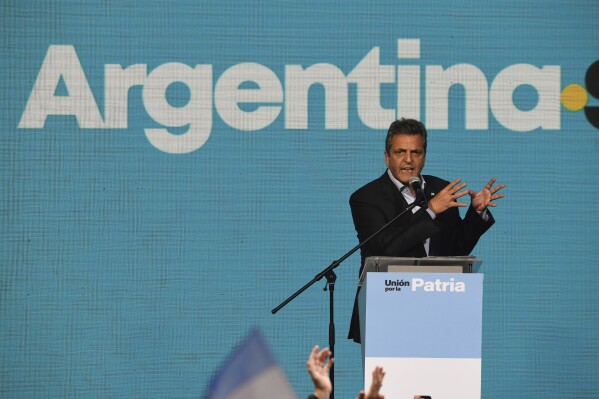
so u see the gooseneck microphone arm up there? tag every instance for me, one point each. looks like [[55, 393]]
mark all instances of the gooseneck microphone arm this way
[[416, 185]]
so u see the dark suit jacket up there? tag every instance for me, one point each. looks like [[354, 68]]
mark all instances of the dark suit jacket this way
[[379, 201]]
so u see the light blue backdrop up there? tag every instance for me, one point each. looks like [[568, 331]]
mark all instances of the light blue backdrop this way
[[127, 271]]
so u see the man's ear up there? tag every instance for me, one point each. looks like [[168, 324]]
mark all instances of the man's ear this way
[[386, 158]]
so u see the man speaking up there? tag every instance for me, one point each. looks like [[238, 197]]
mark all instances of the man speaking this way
[[435, 229]]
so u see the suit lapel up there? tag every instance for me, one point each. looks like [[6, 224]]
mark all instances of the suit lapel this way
[[390, 190], [399, 205]]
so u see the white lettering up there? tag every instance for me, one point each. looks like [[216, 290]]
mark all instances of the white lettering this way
[[369, 74], [196, 114], [61, 62], [118, 81], [408, 91], [250, 96], [417, 283], [228, 96], [438, 83], [297, 84], [545, 80], [438, 285]]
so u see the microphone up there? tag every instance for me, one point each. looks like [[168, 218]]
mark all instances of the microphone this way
[[417, 187]]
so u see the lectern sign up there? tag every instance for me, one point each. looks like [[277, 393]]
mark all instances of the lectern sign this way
[[425, 329]]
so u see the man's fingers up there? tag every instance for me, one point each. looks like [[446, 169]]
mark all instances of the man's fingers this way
[[455, 185], [460, 194], [490, 183], [452, 185], [459, 187], [323, 355], [499, 187], [329, 364], [313, 356]]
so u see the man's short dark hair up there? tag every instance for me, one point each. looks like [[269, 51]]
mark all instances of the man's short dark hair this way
[[405, 126]]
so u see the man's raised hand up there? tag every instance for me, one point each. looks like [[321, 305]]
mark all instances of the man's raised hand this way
[[446, 198], [485, 197]]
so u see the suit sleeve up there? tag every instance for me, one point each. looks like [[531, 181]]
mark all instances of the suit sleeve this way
[[457, 237], [401, 237]]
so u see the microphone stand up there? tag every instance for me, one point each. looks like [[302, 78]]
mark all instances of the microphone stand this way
[[331, 277]]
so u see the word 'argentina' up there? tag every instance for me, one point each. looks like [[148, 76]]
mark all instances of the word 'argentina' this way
[[438, 285]]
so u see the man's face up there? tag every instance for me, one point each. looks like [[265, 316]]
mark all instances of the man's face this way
[[406, 157]]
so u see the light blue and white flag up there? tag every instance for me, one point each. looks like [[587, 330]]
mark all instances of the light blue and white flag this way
[[251, 372]]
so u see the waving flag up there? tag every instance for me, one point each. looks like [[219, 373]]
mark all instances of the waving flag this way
[[250, 372]]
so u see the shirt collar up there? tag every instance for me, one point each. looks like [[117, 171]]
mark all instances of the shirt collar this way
[[400, 186]]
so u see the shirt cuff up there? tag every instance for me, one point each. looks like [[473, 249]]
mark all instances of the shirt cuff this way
[[484, 214], [433, 215]]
